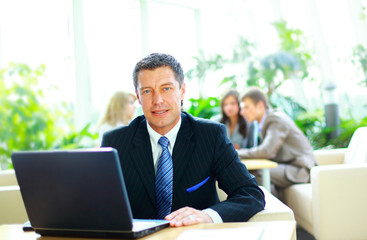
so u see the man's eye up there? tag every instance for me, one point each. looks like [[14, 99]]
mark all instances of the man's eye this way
[[146, 91], [166, 88]]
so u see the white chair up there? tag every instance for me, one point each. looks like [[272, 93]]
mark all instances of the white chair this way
[[12, 209], [333, 206], [274, 210]]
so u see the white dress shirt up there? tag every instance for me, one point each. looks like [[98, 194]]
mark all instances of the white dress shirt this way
[[157, 150]]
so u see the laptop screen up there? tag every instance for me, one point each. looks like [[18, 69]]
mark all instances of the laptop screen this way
[[73, 189]]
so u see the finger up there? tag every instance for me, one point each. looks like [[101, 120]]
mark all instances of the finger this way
[[184, 214], [178, 216], [188, 217], [185, 221], [177, 213], [191, 219], [198, 217]]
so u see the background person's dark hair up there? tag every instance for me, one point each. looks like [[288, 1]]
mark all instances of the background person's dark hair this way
[[241, 121], [156, 60], [256, 95]]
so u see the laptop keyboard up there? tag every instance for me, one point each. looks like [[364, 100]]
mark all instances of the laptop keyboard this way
[[142, 225]]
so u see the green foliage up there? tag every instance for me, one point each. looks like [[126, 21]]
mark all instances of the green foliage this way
[[75, 139], [314, 127], [360, 59], [203, 64], [241, 53], [293, 41], [204, 107], [26, 121], [270, 72], [230, 81], [363, 14], [287, 104]]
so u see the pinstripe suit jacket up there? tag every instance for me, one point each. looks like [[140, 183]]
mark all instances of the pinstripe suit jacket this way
[[201, 150]]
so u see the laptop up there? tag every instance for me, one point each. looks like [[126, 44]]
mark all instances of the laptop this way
[[78, 193]]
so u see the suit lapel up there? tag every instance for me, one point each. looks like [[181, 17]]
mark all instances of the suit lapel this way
[[183, 149], [141, 153]]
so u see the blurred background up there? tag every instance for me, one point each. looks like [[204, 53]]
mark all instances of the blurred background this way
[[61, 61]]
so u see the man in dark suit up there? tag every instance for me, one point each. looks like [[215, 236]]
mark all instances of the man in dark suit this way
[[198, 149]]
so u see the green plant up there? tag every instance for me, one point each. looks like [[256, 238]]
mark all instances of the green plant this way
[[203, 65], [359, 55], [241, 53], [360, 59], [292, 40], [363, 14], [314, 127], [204, 107], [270, 72], [27, 122], [77, 139], [287, 104]]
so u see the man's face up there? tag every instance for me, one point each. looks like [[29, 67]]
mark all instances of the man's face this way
[[160, 96], [251, 111]]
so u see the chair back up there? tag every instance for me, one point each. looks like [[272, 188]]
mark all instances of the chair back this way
[[8, 178], [357, 148]]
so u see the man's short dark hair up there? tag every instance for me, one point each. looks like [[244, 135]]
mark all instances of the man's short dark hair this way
[[157, 60], [256, 95]]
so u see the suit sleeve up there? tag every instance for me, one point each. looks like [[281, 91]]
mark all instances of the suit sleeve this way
[[276, 134], [245, 198]]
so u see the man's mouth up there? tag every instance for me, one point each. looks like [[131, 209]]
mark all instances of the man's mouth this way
[[160, 112]]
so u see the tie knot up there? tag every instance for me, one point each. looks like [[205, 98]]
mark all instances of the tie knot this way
[[163, 141]]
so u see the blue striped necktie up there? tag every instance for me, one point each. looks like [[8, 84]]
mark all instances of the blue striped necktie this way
[[164, 181]]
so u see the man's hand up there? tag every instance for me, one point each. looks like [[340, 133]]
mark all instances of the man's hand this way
[[236, 146], [187, 216]]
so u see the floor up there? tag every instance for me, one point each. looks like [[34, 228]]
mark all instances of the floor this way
[[303, 234]]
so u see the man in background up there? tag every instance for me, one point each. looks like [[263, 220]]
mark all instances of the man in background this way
[[280, 140]]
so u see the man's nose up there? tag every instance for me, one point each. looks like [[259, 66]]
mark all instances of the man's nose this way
[[157, 98]]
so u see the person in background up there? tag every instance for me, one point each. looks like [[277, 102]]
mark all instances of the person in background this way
[[171, 160], [120, 111], [238, 131], [280, 140]]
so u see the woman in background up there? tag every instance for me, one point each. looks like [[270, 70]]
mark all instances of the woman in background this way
[[237, 128], [120, 111]]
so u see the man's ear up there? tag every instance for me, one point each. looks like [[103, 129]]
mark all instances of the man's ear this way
[[183, 91], [137, 96], [261, 106]]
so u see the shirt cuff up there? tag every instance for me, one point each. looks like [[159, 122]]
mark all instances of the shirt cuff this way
[[214, 215], [243, 152]]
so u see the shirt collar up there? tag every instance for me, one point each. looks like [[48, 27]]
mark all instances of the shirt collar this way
[[171, 135], [261, 123]]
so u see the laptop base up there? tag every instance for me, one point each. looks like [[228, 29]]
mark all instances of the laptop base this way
[[99, 233]]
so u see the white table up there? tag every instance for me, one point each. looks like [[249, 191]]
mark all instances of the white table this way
[[270, 230]]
